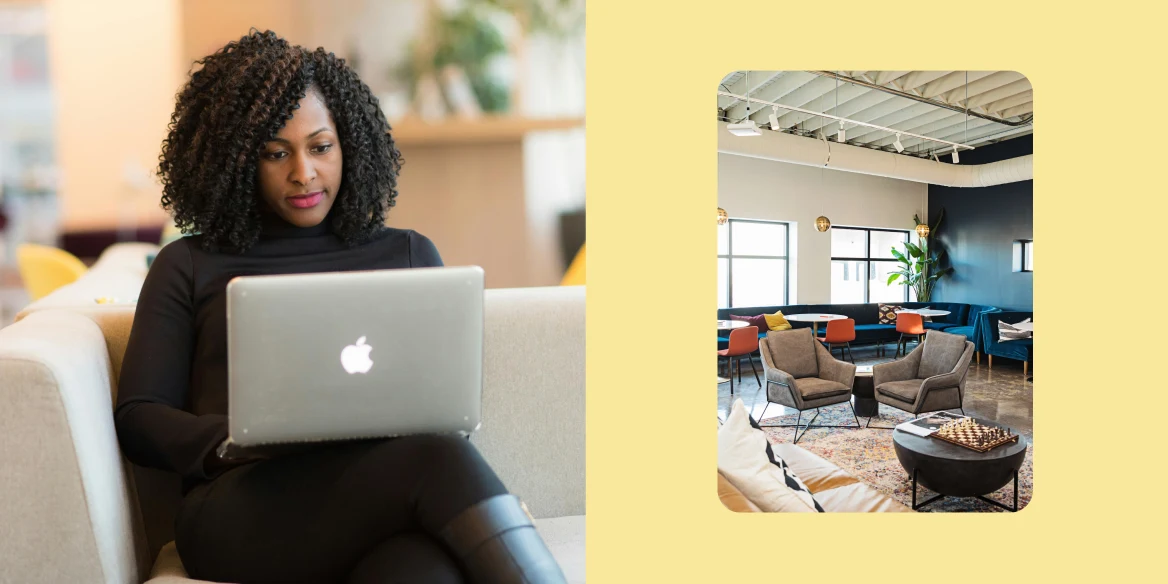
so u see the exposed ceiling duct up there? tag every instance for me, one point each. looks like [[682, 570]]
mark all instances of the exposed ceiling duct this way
[[782, 147]]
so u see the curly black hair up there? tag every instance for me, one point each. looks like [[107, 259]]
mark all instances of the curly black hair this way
[[236, 102]]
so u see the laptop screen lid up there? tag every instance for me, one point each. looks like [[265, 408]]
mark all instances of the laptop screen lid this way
[[347, 355]]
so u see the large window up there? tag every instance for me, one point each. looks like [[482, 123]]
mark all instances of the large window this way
[[861, 261], [752, 263]]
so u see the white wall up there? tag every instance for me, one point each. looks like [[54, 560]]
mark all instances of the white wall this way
[[751, 188], [115, 68]]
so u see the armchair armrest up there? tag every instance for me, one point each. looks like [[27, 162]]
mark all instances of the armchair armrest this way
[[533, 396], [899, 370], [833, 369], [66, 491]]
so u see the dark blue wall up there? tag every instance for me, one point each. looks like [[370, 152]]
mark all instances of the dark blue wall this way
[[979, 230]]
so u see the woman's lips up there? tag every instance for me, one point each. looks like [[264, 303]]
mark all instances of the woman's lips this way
[[306, 201]]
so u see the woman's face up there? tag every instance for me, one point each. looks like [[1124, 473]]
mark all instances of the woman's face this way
[[300, 170]]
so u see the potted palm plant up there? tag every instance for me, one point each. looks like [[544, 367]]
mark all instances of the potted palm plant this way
[[920, 266]]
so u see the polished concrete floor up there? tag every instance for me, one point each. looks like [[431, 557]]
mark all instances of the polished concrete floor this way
[[1001, 394]]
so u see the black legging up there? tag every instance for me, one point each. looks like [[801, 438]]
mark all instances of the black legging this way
[[355, 512]]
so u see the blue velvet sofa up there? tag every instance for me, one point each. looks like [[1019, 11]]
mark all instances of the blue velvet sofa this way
[[1020, 349], [962, 319]]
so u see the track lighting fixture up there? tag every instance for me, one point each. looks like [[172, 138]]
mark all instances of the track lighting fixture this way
[[774, 118], [746, 128], [840, 136], [899, 147], [956, 159]]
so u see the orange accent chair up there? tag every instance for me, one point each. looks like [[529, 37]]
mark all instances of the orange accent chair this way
[[840, 333], [743, 342], [908, 324]]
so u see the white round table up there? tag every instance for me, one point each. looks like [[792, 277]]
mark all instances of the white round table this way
[[814, 319], [924, 311], [729, 325]]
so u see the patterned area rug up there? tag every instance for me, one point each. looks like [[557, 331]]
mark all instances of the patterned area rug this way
[[868, 455]]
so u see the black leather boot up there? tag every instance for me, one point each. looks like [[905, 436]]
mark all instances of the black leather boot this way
[[497, 544]]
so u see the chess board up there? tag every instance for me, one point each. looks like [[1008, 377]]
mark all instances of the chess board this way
[[974, 436]]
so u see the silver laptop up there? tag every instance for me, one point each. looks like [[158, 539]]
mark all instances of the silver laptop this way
[[350, 355]]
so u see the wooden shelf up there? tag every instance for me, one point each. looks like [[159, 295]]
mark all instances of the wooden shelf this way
[[411, 132]]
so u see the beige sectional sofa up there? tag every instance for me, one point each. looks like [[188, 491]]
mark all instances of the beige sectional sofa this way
[[72, 509]]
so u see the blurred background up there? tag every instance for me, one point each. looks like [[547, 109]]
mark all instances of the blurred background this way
[[486, 100]]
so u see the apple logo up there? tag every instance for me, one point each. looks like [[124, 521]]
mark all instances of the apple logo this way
[[355, 358]]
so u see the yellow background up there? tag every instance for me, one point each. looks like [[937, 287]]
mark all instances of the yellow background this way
[[1100, 397]]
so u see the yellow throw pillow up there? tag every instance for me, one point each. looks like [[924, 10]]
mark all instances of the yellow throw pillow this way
[[777, 322]]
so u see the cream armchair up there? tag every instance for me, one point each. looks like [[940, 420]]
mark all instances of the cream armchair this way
[[928, 379], [74, 510], [802, 374]]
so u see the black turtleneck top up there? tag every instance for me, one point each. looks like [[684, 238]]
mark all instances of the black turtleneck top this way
[[172, 393]]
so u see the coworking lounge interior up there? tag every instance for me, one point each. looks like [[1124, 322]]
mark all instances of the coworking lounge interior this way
[[486, 103], [875, 291]]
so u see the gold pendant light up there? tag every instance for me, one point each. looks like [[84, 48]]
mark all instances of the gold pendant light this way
[[722, 216], [923, 230], [822, 223]]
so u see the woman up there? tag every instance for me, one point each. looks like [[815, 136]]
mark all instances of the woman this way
[[280, 159]]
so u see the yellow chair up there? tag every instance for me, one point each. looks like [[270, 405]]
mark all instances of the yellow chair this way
[[575, 274], [45, 268]]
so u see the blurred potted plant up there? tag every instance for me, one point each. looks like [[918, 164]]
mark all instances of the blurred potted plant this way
[[453, 58], [456, 52], [919, 266]]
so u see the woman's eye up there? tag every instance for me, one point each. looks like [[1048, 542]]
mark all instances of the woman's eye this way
[[275, 155], [322, 148]]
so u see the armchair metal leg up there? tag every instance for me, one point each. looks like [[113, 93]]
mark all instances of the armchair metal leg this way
[[810, 424], [869, 424]]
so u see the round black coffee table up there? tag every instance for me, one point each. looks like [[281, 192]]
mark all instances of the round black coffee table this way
[[953, 471]]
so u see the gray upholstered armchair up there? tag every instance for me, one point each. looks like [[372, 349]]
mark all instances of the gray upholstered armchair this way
[[929, 379], [801, 374]]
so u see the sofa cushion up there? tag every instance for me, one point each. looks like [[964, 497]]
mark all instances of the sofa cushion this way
[[906, 390], [757, 320], [815, 388], [733, 499], [776, 322], [876, 327], [794, 352], [888, 313], [859, 498], [1009, 332], [743, 459], [939, 326], [967, 331], [941, 353], [817, 473]]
